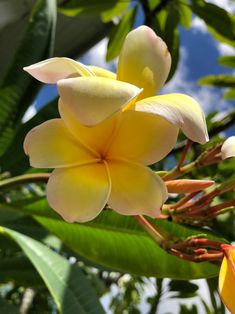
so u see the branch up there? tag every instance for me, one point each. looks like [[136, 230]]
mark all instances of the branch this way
[[150, 14], [26, 178]]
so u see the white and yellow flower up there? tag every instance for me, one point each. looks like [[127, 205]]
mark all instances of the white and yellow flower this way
[[111, 128]]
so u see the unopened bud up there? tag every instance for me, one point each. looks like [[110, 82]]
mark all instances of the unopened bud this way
[[185, 186]]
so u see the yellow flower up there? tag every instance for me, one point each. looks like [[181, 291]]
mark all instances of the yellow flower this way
[[228, 148], [227, 277], [99, 148], [144, 65]]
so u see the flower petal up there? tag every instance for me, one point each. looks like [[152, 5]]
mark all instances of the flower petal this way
[[102, 72], [55, 69], [50, 145], [143, 137], [136, 190], [79, 193], [96, 137], [93, 99], [144, 61], [228, 148], [181, 110], [227, 279]]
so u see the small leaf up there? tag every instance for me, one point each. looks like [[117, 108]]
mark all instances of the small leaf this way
[[218, 80], [215, 17], [116, 11], [184, 309], [75, 7], [228, 61], [166, 26], [185, 13], [230, 94], [68, 285], [119, 32], [182, 286]]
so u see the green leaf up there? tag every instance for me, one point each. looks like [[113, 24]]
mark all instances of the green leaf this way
[[119, 32], [75, 7], [218, 80], [68, 285], [182, 286], [119, 243], [230, 94], [14, 159], [116, 11], [185, 13], [19, 270], [228, 61], [215, 17], [184, 309], [18, 89], [7, 307], [166, 26]]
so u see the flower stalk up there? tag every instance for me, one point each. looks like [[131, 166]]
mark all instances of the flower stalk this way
[[150, 229]]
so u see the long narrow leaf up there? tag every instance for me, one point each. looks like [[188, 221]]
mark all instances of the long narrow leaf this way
[[69, 287], [17, 90]]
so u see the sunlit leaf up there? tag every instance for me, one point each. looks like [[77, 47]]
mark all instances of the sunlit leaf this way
[[116, 11], [75, 7], [230, 94], [185, 13], [119, 32], [218, 80], [228, 61], [68, 285]]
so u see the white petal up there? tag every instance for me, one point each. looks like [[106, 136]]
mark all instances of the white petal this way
[[144, 61], [55, 69], [93, 99], [228, 148], [181, 110]]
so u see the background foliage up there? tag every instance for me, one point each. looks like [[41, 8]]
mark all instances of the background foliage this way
[[49, 266]]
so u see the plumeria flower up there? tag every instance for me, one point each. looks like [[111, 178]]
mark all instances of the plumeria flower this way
[[111, 128], [144, 63], [228, 148], [227, 277]]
